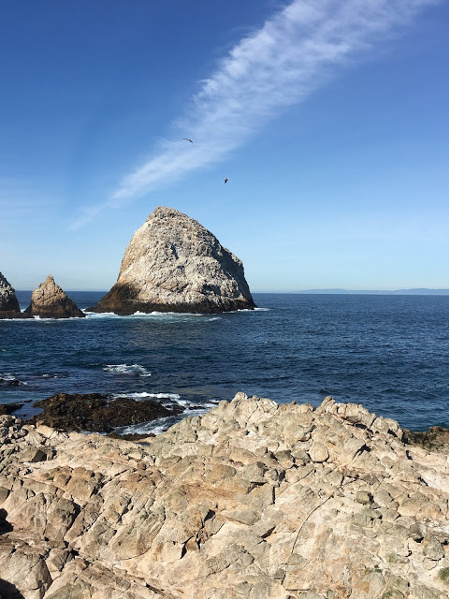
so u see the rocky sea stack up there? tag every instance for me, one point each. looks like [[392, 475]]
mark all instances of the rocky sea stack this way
[[51, 301], [9, 305], [174, 264]]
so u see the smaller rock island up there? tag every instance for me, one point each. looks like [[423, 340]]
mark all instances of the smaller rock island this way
[[174, 264], [51, 301]]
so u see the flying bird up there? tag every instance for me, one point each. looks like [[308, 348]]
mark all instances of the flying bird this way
[[188, 140], [225, 180]]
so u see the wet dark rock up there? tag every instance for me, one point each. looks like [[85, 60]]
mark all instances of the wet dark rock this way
[[8, 409], [436, 438], [9, 381], [97, 412], [131, 437]]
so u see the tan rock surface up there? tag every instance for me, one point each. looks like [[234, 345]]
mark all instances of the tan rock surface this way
[[51, 301], [173, 263], [251, 500]]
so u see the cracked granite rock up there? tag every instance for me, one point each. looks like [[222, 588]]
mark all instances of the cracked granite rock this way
[[251, 500]]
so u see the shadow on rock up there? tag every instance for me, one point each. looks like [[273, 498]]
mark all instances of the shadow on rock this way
[[8, 590], [5, 527]]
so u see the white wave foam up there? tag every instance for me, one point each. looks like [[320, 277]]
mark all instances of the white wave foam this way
[[51, 319], [188, 404], [160, 425], [94, 315], [20, 319], [10, 379], [169, 316], [124, 369], [143, 395], [155, 427], [139, 314], [184, 403], [154, 316]]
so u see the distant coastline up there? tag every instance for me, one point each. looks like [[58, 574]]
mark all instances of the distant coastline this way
[[404, 292]]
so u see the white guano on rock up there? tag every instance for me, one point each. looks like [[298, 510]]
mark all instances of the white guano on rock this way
[[174, 264]]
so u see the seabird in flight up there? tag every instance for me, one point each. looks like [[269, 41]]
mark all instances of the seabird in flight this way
[[188, 140], [225, 180]]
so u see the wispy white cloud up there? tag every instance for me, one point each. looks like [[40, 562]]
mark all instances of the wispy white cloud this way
[[88, 214], [294, 53]]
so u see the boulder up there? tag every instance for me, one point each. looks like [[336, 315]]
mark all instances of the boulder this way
[[9, 305], [174, 264], [51, 301]]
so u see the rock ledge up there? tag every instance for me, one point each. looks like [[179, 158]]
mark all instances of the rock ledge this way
[[251, 500]]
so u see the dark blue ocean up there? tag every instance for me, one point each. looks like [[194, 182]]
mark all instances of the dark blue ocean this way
[[389, 353]]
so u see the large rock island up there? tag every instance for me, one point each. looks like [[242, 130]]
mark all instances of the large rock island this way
[[173, 263], [251, 500]]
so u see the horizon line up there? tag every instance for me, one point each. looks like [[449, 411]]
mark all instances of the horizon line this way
[[412, 291]]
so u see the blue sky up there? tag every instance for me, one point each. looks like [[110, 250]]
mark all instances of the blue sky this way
[[330, 119]]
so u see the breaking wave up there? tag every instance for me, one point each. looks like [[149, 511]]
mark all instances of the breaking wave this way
[[124, 369], [163, 424], [8, 379], [164, 398]]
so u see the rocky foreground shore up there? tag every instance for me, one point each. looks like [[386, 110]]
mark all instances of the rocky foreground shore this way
[[251, 500]]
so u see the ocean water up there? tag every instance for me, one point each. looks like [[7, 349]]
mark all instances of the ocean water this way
[[389, 353]]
